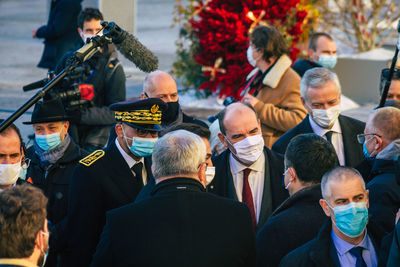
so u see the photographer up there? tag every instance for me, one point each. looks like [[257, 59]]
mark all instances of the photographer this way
[[105, 85]]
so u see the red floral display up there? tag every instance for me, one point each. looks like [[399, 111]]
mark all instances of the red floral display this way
[[221, 28]]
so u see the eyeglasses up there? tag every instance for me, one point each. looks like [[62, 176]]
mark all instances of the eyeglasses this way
[[143, 133], [204, 162], [361, 137]]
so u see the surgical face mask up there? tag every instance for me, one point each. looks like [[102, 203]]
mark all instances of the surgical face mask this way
[[210, 173], [9, 173], [367, 155], [48, 141], [141, 147], [250, 58], [249, 149], [42, 261], [327, 61], [325, 118], [352, 218]]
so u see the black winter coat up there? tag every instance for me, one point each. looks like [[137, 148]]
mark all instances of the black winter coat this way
[[181, 225], [61, 32], [321, 252], [55, 185], [291, 225], [384, 194], [101, 182]]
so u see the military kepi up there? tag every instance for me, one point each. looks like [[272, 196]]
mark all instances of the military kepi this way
[[140, 114]]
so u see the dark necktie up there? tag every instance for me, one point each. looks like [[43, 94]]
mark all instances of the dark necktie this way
[[247, 197], [357, 252], [329, 136], [137, 172]]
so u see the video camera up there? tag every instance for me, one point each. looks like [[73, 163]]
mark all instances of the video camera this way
[[72, 90]]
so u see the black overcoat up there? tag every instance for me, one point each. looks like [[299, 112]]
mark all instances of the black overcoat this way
[[180, 225], [291, 225]]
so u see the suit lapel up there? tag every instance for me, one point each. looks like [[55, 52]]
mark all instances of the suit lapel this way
[[305, 126], [350, 144], [231, 186], [122, 175]]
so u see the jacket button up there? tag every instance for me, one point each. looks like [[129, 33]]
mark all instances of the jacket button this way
[[59, 195]]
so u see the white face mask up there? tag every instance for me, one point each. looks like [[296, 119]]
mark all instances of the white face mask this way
[[249, 149], [325, 118], [210, 173], [9, 173], [85, 36], [250, 58]]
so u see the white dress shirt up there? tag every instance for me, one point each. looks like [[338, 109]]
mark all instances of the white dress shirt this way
[[130, 161], [337, 137], [256, 180]]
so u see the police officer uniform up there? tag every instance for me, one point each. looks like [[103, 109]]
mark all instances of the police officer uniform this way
[[104, 180]]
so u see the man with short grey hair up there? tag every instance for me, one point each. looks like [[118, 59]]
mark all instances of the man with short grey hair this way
[[320, 95], [348, 238], [181, 224]]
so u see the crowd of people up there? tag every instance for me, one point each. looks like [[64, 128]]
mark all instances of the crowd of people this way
[[281, 178]]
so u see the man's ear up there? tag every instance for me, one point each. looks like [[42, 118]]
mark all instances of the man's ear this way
[[118, 130], [66, 126], [325, 207], [367, 195], [201, 173], [80, 31], [311, 55], [222, 139]]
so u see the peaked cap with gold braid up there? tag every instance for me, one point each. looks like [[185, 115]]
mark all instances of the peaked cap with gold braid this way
[[141, 114]]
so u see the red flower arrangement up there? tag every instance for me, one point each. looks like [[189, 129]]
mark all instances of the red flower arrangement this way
[[220, 29]]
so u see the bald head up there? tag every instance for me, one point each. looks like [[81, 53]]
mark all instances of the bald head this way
[[385, 122], [234, 114], [159, 84], [337, 176]]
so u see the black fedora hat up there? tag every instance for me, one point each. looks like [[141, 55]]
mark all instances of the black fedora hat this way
[[48, 111]]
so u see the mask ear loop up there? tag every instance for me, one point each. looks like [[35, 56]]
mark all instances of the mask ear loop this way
[[125, 137]]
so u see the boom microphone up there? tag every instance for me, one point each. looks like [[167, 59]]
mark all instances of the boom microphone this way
[[130, 47]]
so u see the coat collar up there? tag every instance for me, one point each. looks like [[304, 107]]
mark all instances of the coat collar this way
[[275, 74], [310, 193], [178, 184]]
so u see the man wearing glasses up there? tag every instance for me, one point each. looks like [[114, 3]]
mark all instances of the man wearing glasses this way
[[381, 146], [111, 178], [394, 89]]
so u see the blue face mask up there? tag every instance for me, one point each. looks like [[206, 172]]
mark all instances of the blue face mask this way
[[352, 218], [142, 147], [48, 141], [327, 61]]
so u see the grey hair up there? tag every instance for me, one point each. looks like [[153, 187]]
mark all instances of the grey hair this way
[[338, 174], [178, 153], [316, 78], [147, 86]]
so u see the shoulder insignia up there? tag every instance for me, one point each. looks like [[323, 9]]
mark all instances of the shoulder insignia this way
[[111, 65], [89, 160]]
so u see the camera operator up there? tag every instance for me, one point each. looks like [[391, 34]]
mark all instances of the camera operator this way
[[90, 126]]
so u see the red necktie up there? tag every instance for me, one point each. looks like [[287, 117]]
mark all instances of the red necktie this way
[[247, 197]]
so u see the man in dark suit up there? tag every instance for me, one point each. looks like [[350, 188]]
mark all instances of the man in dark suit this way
[[320, 94], [381, 141], [248, 171], [111, 178], [307, 158], [348, 238], [181, 225]]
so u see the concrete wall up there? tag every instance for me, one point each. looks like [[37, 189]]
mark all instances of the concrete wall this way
[[360, 78], [122, 12]]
